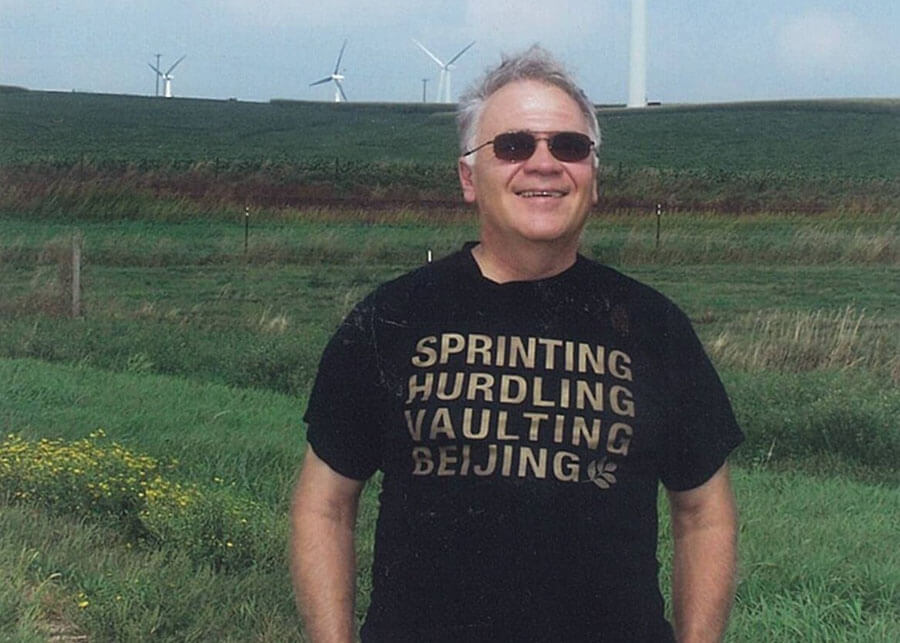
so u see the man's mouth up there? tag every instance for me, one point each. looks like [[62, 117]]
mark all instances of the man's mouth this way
[[553, 194]]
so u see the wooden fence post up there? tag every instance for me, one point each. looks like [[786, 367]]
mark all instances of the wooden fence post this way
[[658, 222], [246, 229]]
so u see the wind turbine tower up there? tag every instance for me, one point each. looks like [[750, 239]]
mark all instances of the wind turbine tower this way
[[166, 76], [637, 78], [157, 75], [336, 78], [443, 90]]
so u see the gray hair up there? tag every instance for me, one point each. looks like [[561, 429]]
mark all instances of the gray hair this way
[[535, 63]]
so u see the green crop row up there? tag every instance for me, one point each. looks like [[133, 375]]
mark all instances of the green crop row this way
[[809, 138]]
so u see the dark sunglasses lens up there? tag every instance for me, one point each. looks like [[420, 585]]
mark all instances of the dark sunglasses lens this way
[[514, 146], [570, 146]]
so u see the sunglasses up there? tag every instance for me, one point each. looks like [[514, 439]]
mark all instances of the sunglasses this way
[[569, 147]]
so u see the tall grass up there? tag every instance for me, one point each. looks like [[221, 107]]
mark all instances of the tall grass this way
[[187, 299], [89, 583], [177, 191], [810, 340]]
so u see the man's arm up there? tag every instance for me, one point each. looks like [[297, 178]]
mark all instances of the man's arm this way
[[704, 528], [323, 561]]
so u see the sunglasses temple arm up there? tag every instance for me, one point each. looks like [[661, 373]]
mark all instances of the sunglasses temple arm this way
[[475, 149]]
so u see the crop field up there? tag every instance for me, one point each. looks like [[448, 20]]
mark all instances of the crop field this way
[[82, 155], [148, 446]]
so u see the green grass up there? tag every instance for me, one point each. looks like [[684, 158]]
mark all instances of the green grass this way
[[95, 582], [816, 563], [185, 300], [193, 349], [230, 433]]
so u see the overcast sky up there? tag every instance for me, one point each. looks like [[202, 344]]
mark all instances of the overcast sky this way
[[699, 51]]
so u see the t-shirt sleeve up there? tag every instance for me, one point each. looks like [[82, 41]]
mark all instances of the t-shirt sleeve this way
[[342, 415], [703, 429]]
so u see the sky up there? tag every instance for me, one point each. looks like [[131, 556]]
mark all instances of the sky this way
[[699, 51]]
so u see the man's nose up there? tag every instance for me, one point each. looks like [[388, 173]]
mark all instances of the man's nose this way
[[542, 159]]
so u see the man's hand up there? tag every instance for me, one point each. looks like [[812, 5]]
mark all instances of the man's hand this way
[[323, 562], [704, 527]]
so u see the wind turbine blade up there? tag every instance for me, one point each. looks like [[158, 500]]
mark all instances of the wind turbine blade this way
[[340, 55], [155, 69], [319, 82], [464, 50], [175, 64], [340, 89], [430, 55]]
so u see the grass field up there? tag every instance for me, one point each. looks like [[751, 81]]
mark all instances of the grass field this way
[[148, 447], [191, 348]]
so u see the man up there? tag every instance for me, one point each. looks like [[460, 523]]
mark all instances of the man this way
[[523, 403]]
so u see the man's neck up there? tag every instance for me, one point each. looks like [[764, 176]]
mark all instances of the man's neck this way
[[530, 263]]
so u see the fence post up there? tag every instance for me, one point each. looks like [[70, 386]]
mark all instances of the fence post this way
[[658, 222], [77, 242], [246, 227]]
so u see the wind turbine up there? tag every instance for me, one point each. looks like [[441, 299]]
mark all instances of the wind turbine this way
[[167, 76], [443, 91], [336, 78], [637, 77], [157, 76]]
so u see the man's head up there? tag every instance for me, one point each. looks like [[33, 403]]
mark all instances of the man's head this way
[[535, 187], [534, 64]]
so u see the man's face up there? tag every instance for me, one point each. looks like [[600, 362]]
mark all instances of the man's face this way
[[538, 200]]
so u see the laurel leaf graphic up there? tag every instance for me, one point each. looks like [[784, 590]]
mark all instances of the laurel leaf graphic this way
[[600, 473]]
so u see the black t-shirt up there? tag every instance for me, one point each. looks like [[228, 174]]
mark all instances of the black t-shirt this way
[[523, 429]]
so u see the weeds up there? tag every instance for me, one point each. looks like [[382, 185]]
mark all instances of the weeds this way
[[388, 190], [102, 479]]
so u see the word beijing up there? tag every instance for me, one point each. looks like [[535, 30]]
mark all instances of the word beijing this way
[[541, 397]]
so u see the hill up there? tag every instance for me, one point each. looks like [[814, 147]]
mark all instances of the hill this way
[[799, 155], [847, 138]]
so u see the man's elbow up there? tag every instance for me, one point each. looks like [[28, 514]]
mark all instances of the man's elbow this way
[[322, 496], [711, 506]]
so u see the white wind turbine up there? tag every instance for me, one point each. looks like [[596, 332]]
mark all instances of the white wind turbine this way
[[167, 76], [443, 91], [335, 78], [637, 77]]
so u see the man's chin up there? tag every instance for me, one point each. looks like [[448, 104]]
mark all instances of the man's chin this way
[[550, 236]]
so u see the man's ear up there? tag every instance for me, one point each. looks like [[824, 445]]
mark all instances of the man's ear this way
[[466, 181]]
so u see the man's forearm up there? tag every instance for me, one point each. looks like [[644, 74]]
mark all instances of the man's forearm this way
[[323, 560], [703, 583], [324, 576], [704, 528]]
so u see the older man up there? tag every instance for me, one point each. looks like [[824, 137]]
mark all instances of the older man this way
[[523, 403]]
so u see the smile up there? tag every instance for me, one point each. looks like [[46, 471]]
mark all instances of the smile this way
[[556, 194]]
